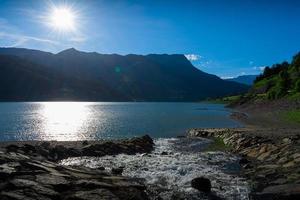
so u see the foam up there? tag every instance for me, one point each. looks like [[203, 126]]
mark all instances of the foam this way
[[174, 171]]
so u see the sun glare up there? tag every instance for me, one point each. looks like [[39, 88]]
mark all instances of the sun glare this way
[[62, 19]]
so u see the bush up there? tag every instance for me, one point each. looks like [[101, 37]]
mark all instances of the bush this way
[[284, 81], [297, 86], [276, 93]]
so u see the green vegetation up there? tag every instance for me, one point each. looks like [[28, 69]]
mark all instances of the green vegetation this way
[[276, 82], [280, 80], [224, 100], [291, 116], [218, 145]]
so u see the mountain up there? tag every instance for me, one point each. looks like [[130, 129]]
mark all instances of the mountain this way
[[22, 80], [244, 79], [76, 75]]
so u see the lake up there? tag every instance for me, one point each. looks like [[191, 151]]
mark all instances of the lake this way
[[106, 120]]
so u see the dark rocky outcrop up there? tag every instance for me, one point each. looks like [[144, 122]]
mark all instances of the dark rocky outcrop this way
[[57, 151], [29, 172]]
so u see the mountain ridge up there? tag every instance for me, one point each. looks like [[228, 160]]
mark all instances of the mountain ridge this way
[[131, 77], [244, 79]]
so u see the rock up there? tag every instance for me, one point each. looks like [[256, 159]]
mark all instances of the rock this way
[[296, 155], [164, 153], [12, 148], [14, 195], [282, 192], [101, 168], [243, 161], [279, 181], [49, 179], [85, 142], [7, 170], [117, 171], [282, 160], [297, 160], [46, 145], [28, 148], [202, 184], [287, 141], [264, 156], [26, 174], [102, 194], [289, 164]]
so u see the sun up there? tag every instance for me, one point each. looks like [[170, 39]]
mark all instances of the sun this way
[[62, 19]]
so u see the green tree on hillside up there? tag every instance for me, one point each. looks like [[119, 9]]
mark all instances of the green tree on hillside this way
[[297, 85], [284, 81], [296, 61]]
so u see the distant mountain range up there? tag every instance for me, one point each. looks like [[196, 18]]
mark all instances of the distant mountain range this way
[[245, 79], [32, 75]]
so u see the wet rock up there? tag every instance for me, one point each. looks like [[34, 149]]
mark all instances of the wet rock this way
[[282, 192], [264, 155], [117, 171], [289, 164], [164, 153], [102, 194], [202, 184], [7, 170], [14, 195], [296, 155], [282, 160], [45, 145], [28, 178], [101, 168], [12, 148], [243, 161], [49, 179], [28, 148], [273, 160]]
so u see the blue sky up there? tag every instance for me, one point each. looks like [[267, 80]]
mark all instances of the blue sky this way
[[227, 38]]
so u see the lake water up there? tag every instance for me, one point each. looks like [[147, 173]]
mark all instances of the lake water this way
[[88, 121]]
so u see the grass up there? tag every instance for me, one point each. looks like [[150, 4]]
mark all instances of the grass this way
[[224, 100], [294, 96], [291, 116], [218, 145]]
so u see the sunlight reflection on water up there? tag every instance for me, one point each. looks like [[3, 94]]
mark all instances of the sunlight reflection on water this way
[[64, 120], [106, 120]]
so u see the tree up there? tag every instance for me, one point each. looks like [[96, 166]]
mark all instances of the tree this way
[[297, 86], [284, 81], [296, 61]]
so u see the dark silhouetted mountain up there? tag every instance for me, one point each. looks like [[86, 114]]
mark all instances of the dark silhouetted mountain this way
[[76, 75], [22, 80], [245, 79]]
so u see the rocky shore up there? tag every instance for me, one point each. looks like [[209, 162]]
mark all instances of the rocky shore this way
[[30, 171], [271, 162]]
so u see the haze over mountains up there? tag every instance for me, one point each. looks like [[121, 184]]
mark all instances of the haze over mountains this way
[[32, 75], [244, 79]]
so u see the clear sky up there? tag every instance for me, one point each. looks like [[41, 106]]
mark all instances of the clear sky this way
[[222, 37]]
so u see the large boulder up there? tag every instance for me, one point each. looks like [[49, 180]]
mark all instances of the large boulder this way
[[202, 184]]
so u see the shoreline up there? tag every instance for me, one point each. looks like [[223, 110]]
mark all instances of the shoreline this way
[[270, 161], [31, 171]]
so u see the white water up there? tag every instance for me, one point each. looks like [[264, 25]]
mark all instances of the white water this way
[[174, 172]]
